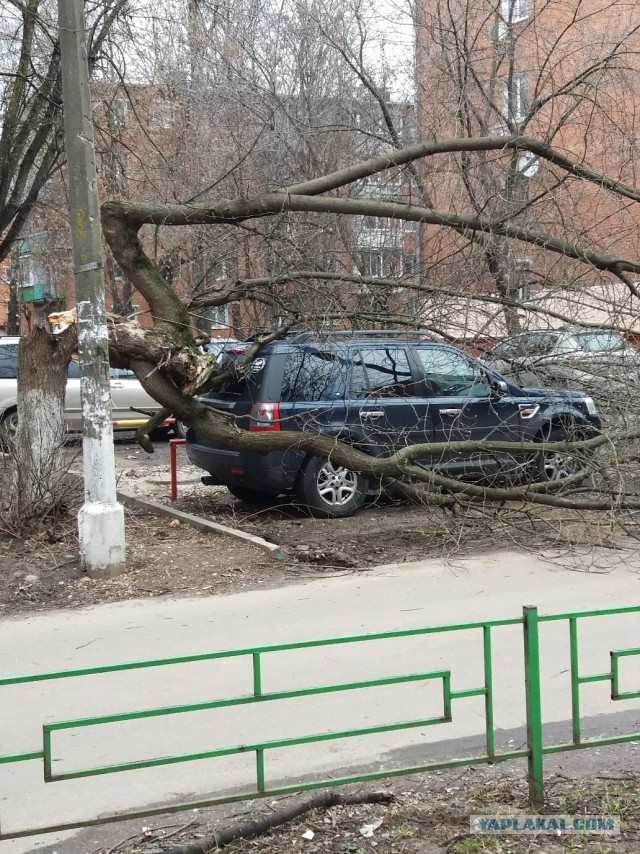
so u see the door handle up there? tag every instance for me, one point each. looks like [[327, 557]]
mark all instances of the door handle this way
[[450, 411], [115, 384], [371, 413]]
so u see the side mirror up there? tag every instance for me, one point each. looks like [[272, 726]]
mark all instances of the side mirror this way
[[499, 388]]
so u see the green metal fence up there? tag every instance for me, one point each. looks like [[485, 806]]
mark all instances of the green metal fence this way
[[535, 750]]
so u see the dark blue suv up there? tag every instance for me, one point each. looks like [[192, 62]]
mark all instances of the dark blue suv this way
[[381, 391]]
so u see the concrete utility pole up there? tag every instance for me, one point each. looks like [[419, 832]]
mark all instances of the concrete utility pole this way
[[101, 518]]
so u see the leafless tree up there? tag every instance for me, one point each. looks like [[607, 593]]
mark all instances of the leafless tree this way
[[563, 75], [172, 371], [239, 109], [30, 104]]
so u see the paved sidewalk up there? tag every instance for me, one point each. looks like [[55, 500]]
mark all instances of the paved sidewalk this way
[[429, 592]]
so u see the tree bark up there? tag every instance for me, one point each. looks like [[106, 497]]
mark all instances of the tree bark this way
[[40, 465], [13, 308], [251, 828]]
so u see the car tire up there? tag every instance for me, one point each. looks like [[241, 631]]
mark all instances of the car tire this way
[[329, 490], [8, 428], [552, 466], [252, 497]]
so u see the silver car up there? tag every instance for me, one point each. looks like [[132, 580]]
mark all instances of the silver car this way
[[127, 395], [598, 361]]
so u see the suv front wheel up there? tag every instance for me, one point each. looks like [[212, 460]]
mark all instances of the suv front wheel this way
[[554, 465], [330, 490]]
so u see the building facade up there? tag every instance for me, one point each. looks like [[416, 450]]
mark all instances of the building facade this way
[[564, 73]]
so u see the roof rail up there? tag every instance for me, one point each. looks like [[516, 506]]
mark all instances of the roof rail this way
[[365, 333]]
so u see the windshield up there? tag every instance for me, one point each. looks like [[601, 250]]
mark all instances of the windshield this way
[[598, 341]]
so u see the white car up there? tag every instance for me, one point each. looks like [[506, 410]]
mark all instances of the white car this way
[[127, 395]]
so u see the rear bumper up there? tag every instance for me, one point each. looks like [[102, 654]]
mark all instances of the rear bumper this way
[[274, 472]]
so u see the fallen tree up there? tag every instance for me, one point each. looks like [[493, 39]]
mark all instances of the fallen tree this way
[[173, 370]]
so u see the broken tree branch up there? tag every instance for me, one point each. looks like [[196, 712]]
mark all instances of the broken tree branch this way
[[256, 827]]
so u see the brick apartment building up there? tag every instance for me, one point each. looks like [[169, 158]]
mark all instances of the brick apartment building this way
[[564, 72], [153, 144]]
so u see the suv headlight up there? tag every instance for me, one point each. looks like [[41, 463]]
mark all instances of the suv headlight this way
[[591, 407]]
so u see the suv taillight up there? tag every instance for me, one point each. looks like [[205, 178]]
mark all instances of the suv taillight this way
[[264, 417]]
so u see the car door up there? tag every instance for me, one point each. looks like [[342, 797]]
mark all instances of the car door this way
[[464, 407], [72, 400], [386, 409], [128, 398], [127, 395]]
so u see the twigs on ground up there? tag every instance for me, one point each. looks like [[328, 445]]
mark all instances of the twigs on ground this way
[[256, 827]]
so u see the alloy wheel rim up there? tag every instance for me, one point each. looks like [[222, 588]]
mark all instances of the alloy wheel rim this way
[[558, 466], [336, 485]]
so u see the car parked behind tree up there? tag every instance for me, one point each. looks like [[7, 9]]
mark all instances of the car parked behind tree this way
[[127, 395], [597, 361]]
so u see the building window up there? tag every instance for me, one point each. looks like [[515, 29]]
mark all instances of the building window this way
[[512, 11], [326, 262], [381, 186], [515, 97], [117, 114], [381, 263], [378, 232], [218, 270], [367, 123], [410, 263], [163, 114], [523, 278], [219, 315], [115, 168], [373, 222]]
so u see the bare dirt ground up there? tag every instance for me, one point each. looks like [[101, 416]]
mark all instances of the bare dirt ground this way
[[169, 558], [429, 814]]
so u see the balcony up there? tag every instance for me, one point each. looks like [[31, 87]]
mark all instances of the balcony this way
[[37, 293]]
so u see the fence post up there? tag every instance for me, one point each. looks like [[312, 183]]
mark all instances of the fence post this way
[[534, 708]]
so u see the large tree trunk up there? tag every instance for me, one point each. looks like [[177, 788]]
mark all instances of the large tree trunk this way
[[39, 459], [13, 308]]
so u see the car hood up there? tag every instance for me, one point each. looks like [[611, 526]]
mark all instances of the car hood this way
[[555, 394]]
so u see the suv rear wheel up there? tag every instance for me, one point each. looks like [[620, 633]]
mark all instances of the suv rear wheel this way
[[330, 490]]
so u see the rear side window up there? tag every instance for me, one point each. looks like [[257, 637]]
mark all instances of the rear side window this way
[[8, 361], [309, 375], [245, 385], [543, 345], [507, 349], [382, 372]]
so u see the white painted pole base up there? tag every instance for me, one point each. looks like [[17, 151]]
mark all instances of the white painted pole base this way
[[102, 544]]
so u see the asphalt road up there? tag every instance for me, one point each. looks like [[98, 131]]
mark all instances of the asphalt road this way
[[431, 592]]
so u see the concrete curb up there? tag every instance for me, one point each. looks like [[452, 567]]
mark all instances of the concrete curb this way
[[130, 500]]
